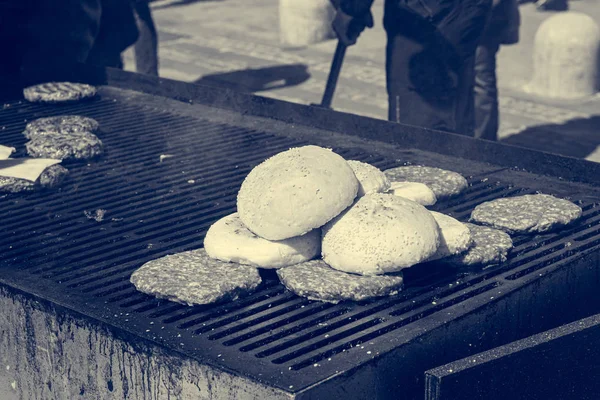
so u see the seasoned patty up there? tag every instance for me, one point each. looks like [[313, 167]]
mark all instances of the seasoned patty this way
[[532, 213], [192, 277], [443, 183], [318, 281], [58, 92], [490, 246], [64, 124], [52, 177], [79, 146]]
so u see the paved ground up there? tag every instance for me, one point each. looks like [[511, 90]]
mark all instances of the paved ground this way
[[236, 43]]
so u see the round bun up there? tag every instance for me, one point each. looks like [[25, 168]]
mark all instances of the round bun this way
[[415, 191], [228, 239], [455, 236], [295, 192], [380, 233], [370, 179]]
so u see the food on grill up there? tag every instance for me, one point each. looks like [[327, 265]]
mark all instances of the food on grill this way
[[370, 179], [58, 92], [318, 281], [455, 237], [415, 191], [443, 183], [78, 146], [531, 213], [65, 124], [5, 152], [192, 277], [490, 246], [295, 192], [380, 233], [49, 177], [228, 239]]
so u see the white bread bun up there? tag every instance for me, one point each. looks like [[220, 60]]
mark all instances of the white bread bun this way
[[370, 178], [415, 191], [380, 233], [228, 239], [455, 236], [295, 192]]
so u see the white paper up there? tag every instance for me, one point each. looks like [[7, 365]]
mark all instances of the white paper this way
[[5, 152], [25, 168]]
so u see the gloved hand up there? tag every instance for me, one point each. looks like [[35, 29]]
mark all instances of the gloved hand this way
[[348, 28]]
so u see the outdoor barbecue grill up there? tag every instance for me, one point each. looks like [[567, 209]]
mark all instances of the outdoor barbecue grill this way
[[73, 326]]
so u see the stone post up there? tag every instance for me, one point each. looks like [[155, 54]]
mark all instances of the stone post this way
[[305, 22]]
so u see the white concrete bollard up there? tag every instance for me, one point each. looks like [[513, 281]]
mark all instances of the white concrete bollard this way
[[305, 22], [565, 57]]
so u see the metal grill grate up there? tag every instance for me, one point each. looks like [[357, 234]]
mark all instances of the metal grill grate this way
[[155, 208]]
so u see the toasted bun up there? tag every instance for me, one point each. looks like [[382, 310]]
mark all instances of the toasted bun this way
[[295, 192], [370, 179], [380, 233], [229, 240], [415, 191], [455, 236]]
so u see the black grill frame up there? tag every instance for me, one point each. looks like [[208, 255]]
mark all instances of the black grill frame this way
[[286, 341]]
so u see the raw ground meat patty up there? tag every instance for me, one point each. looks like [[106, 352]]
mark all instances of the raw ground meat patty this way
[[443, 183], [490, 246], [532, 213], [52, 177], [79, 146], [58, 92], [192, 277], [64, 124], [318, 281]]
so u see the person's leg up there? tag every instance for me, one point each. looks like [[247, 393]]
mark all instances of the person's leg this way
[[486, 92], [146, 47]]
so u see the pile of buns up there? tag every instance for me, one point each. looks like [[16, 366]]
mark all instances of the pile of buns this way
[[309, 202]]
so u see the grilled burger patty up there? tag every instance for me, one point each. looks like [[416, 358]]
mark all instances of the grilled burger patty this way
[[526, 214], [490, 246], [192, 277], [443, 183], [65, 124], [80, 146], [58, 92], [52, 177], [318, 281]]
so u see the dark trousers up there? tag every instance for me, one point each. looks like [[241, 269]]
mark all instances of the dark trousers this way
[[486, 92], [430, 64], [146, 47]]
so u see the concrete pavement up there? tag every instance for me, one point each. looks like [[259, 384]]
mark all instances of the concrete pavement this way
[[236, 43]]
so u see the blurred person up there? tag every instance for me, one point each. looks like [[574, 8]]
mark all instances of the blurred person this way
[[501, 29], [118, 30], [146, 47], [429, 57], [39, 37]]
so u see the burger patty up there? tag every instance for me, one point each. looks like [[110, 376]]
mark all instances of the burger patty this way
[[490, 246], [79, 146], [52, 177], [59, 92], [526, 214], [442, 182], [316, 280], [64, 124], [192, 277]]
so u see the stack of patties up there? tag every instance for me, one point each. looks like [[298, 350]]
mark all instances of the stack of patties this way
[[66, 137], [28, 174]]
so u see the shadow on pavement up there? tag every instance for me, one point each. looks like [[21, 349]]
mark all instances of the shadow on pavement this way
[[178, 3], [256, 80], [575, 138]]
